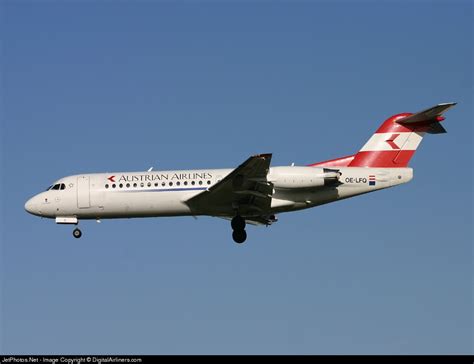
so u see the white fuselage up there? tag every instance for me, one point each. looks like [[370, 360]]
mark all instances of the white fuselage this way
[[164, 193]]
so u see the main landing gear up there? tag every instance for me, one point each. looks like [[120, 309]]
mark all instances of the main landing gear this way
[[77, 233], [238, 225]]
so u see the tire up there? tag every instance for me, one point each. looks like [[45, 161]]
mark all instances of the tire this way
[[77, 233], [239, 236], [238, 223]]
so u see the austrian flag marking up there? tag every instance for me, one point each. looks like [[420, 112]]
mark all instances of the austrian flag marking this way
[[372, 180], [111, 178]]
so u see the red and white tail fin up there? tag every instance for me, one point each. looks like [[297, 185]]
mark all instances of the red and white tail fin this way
[[396, 140]]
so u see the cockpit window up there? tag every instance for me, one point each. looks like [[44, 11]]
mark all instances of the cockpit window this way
[[49, 188], [58, 186]]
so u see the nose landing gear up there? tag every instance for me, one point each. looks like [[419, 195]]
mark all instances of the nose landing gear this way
[[238, 225], [77, 233]]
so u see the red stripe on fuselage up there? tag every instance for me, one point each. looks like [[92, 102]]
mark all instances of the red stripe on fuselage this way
[[383, 159]]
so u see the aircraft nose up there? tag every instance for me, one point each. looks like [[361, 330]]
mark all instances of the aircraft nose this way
[[31, 206]]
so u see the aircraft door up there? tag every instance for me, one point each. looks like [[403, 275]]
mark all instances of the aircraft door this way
[[83, 192]]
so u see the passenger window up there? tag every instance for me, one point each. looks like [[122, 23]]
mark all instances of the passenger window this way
[[163, 184], [156, 184], [113, 186], [171, 183], [193, 183], [128, 185], [185, 183], [208, 182], [142, 184], [178, 183], [120, 185], [149, 184], [134, 185], [200, 182], [106, 186]]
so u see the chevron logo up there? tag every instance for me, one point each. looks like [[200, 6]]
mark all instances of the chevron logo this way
[[391, 141]]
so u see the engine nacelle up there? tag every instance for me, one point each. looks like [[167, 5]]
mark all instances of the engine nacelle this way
[[302, 177]]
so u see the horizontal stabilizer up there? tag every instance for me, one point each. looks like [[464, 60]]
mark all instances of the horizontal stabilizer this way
[[433, 114]]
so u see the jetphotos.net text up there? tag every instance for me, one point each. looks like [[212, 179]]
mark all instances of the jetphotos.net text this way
[[69, 360]]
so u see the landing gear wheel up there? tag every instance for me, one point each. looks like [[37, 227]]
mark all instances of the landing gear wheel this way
[[77, 233], [238, 223], [239, 236]]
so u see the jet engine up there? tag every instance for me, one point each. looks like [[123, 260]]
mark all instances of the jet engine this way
[[303, 177]]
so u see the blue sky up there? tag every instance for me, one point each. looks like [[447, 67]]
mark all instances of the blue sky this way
[[99, 86]]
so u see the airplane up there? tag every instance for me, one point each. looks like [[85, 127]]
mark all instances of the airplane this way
[[253, 193]]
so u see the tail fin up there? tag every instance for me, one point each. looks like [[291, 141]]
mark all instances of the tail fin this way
[[396, 140]]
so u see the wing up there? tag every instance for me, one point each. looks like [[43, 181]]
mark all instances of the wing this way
[[246, 189]]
